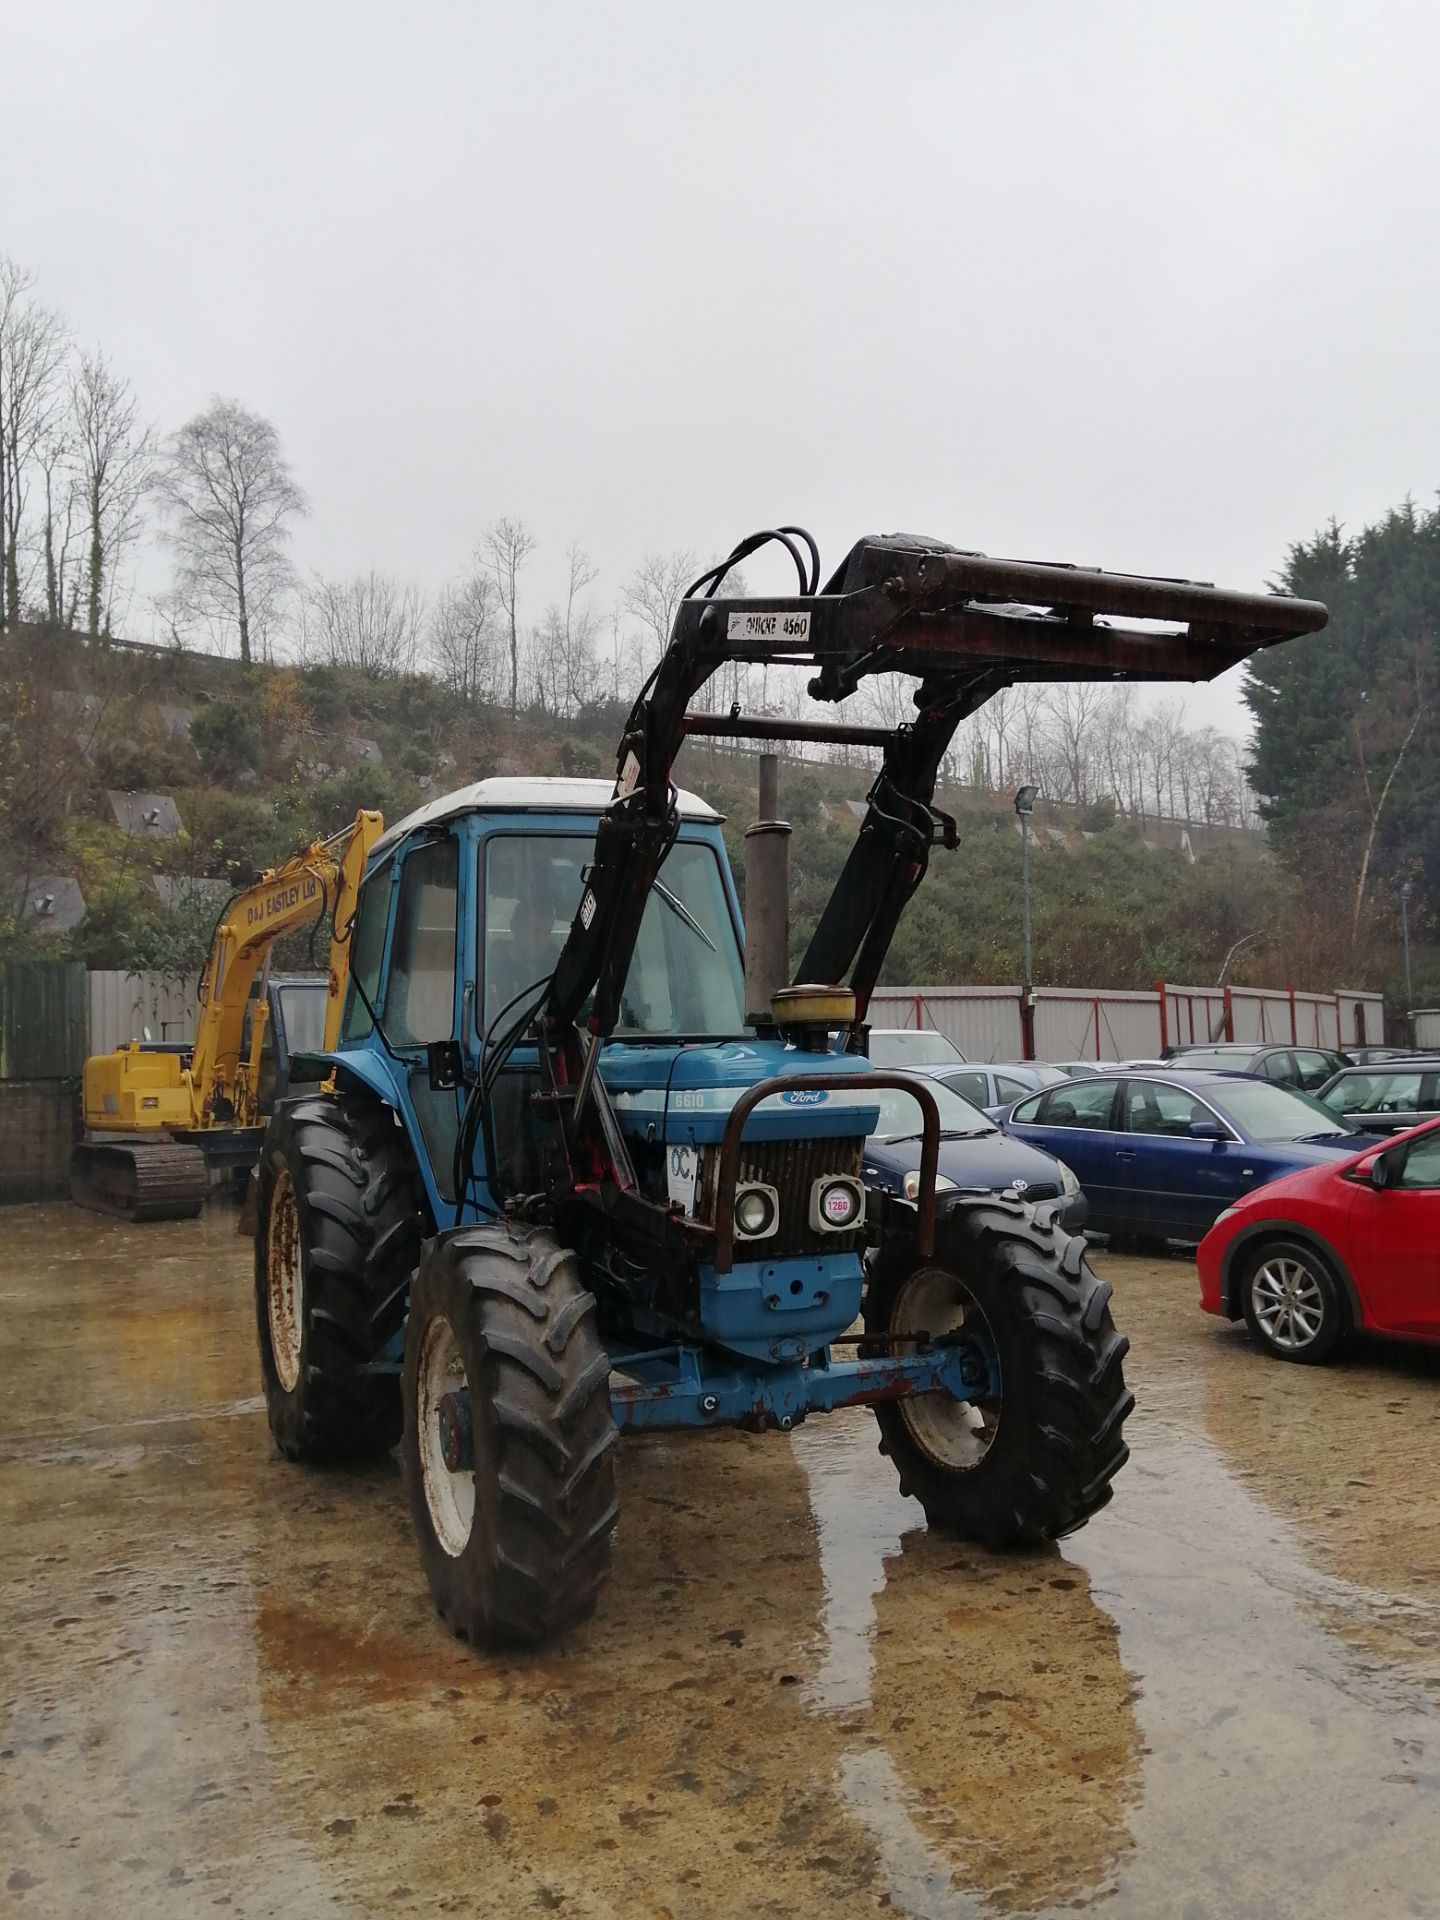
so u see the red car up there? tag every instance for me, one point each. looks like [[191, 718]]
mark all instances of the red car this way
[[1313, 1257]]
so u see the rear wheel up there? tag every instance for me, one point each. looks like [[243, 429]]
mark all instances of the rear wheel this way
[[1031, 1453], [1294, 1305], [508, 1434], [337, 1237]]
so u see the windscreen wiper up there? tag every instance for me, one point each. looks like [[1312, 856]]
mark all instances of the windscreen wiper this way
[[682, 912]]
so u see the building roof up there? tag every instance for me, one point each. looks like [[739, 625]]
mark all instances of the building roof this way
[[528, 794]]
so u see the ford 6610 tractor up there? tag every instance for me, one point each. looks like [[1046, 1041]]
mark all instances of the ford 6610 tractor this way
[[568, 1178]]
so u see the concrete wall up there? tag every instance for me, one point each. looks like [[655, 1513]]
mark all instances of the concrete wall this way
[[39, 1123]]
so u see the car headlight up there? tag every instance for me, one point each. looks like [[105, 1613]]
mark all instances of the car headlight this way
[[912, 1183], [1068, 1183], [1228, 1214]]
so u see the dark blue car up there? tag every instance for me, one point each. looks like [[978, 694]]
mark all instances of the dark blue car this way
[[1159, 1155], [974, 1152]]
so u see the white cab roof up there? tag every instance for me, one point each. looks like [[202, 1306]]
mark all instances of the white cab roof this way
[[527, 795]]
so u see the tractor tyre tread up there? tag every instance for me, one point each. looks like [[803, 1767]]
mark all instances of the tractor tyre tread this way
[[545, 1502], [1059, 1442], [361, 1216]]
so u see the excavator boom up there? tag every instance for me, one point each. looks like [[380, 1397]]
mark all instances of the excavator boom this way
[[176, 1115]]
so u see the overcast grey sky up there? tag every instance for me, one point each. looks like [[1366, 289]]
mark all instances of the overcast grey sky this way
[[1150, 286]]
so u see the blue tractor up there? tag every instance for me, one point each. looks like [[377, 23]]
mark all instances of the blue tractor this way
[[575, 1171]]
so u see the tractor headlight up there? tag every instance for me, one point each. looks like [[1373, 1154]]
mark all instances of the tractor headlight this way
[[912, 1184], [837, 1204], [1068, 1182], [757, 1211]]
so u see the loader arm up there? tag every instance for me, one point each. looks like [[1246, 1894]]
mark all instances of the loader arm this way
[[322, 877], [965, 626]]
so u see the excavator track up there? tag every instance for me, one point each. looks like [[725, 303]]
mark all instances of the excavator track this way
[[138, 1180]]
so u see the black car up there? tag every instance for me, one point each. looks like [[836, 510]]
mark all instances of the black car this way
[[1305, 1068], [974, 1153], [1388, 1098]]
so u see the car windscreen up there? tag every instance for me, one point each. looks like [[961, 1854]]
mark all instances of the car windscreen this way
[[900, 1113], [920, 1049], [1268, 1112]]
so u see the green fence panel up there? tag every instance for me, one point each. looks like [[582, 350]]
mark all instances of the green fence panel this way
[[44, 1019]]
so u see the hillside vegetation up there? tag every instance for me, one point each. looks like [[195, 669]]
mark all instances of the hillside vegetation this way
[[260, 759]]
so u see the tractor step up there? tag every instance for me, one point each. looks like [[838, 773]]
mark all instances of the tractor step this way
[[141, 1180]]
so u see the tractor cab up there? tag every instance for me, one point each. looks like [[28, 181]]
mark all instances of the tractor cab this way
[[463, 914]]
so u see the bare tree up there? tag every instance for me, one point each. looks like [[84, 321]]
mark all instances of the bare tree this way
[[1158, 740], [371, 623], [651, 595], [465, 637], [116, 458], [229, 498], [1074, 708], [506, 548], [580, 630], [34, 342], [62, 516], [1116, 746]]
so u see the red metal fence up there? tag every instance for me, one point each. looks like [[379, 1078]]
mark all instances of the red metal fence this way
[[1081, 1023]]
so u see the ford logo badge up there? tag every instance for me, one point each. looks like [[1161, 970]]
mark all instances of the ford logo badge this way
[[805, 1097]]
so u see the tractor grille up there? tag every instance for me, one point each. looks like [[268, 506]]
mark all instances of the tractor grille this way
[[792, 1167]]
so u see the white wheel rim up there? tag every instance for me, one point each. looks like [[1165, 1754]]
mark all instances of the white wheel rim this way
[[449, 1495], [284, 1281], [1289, 1304], [955, 1434]]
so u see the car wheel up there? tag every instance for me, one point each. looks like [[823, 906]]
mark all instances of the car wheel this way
[[1294, 1305]]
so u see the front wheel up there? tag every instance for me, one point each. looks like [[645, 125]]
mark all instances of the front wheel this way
[[1293, 1303], [508, 1434], [1030, 1455]]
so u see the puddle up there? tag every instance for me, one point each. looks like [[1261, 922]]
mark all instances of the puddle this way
[[223, 1681]]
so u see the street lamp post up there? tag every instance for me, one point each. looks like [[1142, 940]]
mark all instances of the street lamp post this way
[[1405, 934], [1024, 807]]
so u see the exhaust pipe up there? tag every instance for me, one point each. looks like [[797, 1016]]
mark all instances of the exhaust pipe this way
[[767, 900]]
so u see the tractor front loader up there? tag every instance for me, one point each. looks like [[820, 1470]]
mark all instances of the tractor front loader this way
[[562, 1185]]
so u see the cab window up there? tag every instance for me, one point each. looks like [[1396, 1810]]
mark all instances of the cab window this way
[[971, 1086], [1277, 1066], [367, 944], [686, 975], [1008, 1089], [1078, 1103], [420, 992]]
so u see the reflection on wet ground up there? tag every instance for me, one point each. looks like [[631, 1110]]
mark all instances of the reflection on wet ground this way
[[224, 1687]]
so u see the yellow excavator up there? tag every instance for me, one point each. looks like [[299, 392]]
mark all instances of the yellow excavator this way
[[157, 1118]]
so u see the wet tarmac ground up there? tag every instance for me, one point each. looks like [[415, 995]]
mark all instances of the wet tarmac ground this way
[[223, 1689]]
